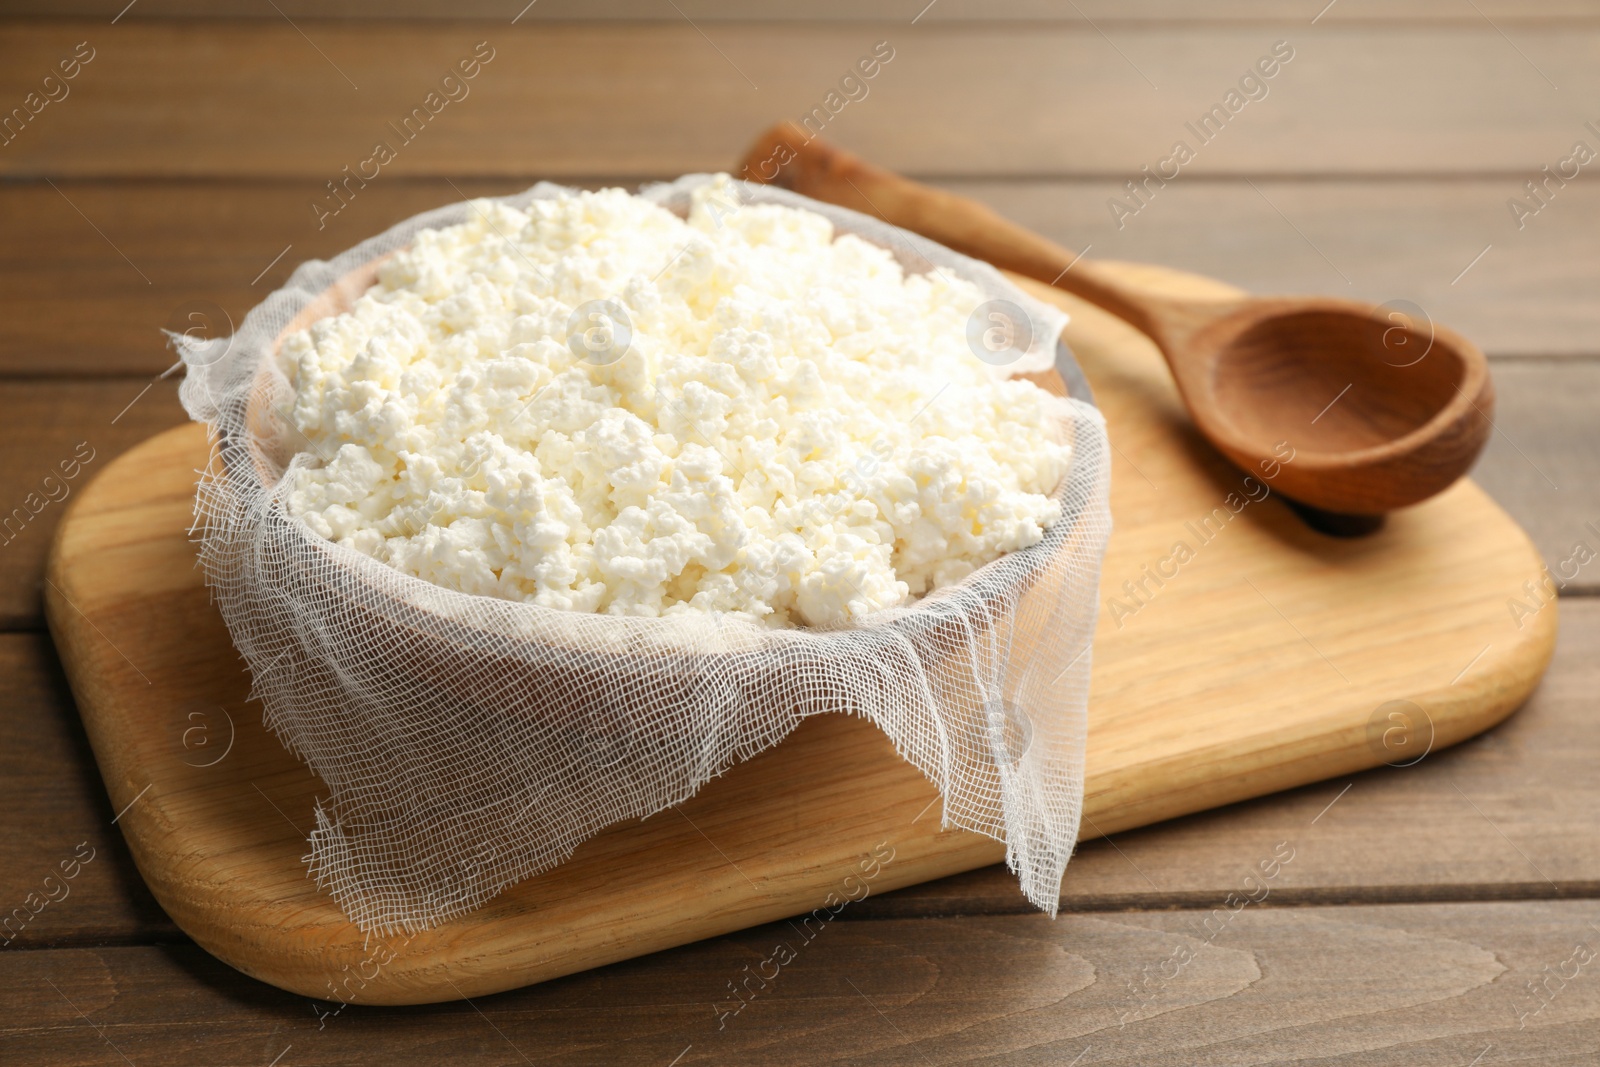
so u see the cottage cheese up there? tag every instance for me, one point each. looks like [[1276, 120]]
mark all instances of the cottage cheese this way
[[777, 422]]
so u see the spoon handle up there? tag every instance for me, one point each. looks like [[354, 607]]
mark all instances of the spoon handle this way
[[789, 156]]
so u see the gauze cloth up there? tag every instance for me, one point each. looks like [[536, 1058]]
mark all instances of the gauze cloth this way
[[468, 742]]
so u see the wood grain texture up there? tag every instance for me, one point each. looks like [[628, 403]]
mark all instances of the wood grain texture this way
[[202, 244], [1342, 626], [1544, 463], [1379, 240], [1340, 986], [260, 99], [1403, 204], [1101, 12], [58, 812], [149, 256], [47, 424]]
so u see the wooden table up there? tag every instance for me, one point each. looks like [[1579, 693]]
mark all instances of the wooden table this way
[[1436, 914]]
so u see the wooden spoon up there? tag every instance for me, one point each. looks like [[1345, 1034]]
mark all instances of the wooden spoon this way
[[1381, 411]]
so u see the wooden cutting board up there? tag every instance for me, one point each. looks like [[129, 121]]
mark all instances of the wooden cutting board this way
[[1274, 657]]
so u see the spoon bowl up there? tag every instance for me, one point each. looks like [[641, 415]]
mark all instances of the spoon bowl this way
[[1378, 410], [1378, 406]]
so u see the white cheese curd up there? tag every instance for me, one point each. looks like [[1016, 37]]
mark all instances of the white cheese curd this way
[[795, 428]]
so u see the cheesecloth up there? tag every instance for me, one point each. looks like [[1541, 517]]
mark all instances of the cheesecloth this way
[[469, 742]]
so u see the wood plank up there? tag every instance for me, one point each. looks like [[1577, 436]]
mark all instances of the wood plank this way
[[1102, 12], [278, 102], [141, 257], [83, 425], [1532, 292], [54, 801], [218, 248], [1350, 986], [1544, 463]]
